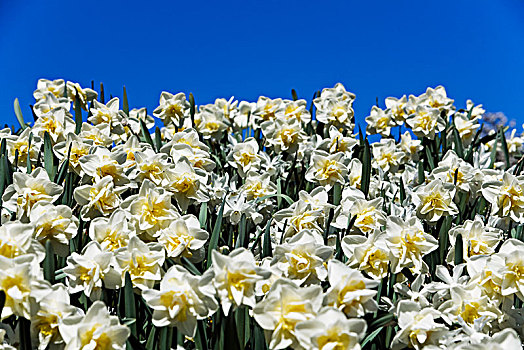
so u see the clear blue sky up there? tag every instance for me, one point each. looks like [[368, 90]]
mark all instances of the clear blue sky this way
[[250, 48]]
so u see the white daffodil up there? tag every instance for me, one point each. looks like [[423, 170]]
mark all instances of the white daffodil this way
[[183, 238], [197, 157], [55, 224], [379, 122], [268, 110], [327, 169], [210, 124], [303, 257], [330, 329], [56, 123], [435, 200], [408, 244], [236, 206], [396, 106], [477, 239], [506, 197], [181, 301], [101, 162], [89, 271], [27, 145], [257, 186], [113, 232], [16, 239], [370, 255], [150, 210], [45, 86], [456, 171], [350, 291], [83, 95], [29, 189], [285, 306], [75, 147], [511, 268], [173, 108], [337, 142], [97, 135], [299, 216], [142, 261], [284, 135], [150, 165], [426, 122], [235, 276], [409, 147], [386, 155], [50, 307], [187, 184], [18, 277], [98, 329], [418, 327], [99, 199]]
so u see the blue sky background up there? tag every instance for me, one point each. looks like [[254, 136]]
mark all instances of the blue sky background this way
[[250, 48]]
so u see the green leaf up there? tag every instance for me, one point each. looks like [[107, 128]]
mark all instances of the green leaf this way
[[366, 169], [158, 139], [505, 150], [337, 193], [125, 103], [421, 174], [62, 172], [145, 133], [202, 216], [49, 262], [371, 336], [192, 108], [2, 300], [150, 344], [18, 113], [50, 161], [459, 249], [294, 94], [190, 267], [287, 198], [259, 339], [459, 148], [25, 334], [129, 299], [243, 329], [381, 321], [266, 246], [402, 191], [213, 241], [200, 338], [78, 116], [166, 338], [493, 156], [242, 239]]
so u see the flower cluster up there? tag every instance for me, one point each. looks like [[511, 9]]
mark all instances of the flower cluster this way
[[272, 224]]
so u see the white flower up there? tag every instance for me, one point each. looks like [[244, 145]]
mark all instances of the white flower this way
[[18, 277], [303, 257], [330, 329], [435, 200], [386, 155], [102, 198], [181, 301], [113, 232], [55, 224], [16, 239], [283, 308], [379, 122], [172, 108], [90, 271], [506, 197], [426, 122], [408, 244], [29, 189], [183, 238], [417, 326], [350, 291], [370, 255], [284, 135], [142, 261], [186, 183], [96, 330], [235, 276], [327, 169]]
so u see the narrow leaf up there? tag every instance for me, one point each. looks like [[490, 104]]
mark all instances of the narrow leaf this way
[[18, 113], [213, 241]]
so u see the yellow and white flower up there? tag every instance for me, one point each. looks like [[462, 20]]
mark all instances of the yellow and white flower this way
[[327, 169], [100, 199], [173, 108], [235, 276], [435, 200]]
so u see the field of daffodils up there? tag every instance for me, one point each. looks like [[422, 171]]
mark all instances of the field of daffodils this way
[[275, 224]]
